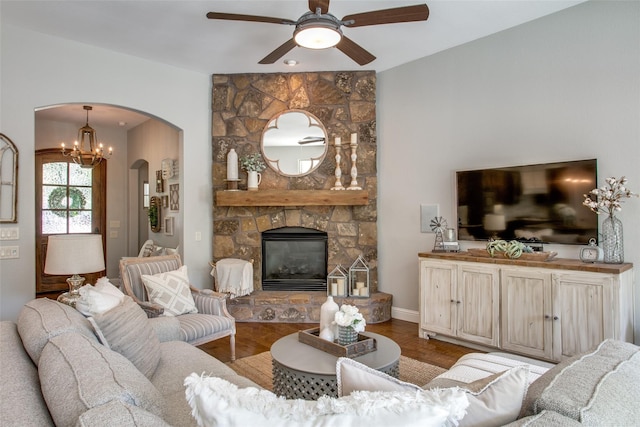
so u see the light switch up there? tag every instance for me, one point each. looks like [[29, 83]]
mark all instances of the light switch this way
[[198, 236], [114, 224], [12, 233], [113, 234], [9, 252]]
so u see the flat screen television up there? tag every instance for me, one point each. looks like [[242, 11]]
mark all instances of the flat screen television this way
[[541, 203]]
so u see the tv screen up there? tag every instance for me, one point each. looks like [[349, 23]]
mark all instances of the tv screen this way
[[540, 203]]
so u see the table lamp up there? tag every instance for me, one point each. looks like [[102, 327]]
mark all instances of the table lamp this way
[[74, 254]]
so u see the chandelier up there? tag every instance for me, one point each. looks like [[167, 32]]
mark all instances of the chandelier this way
[[95, 153]]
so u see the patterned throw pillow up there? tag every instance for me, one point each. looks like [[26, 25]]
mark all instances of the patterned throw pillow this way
[[171, 291]]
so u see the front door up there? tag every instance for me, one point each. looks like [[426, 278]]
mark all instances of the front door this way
[[69, 200]]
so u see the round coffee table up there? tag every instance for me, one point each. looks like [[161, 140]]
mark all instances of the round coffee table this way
[[301, 371]]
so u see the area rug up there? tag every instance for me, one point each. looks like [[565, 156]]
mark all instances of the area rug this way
[[258, 369]]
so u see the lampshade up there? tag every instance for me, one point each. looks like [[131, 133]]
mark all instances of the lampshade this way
[[317, 35], [74, 254]]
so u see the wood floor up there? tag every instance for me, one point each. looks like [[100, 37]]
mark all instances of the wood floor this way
[[255, 338]]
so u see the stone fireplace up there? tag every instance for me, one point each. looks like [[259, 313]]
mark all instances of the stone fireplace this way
[[345, 103]]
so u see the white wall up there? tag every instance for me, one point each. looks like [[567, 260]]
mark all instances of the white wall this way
[[38, 70], [564, 87]]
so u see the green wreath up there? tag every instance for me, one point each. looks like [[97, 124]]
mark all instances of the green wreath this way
[[78, 201]]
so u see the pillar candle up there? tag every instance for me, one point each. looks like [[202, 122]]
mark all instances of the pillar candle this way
[[364, 292], [354, 138], [338, 141], [355, 292], [359, 285], [232, 164], [334, 288], [341, 288]]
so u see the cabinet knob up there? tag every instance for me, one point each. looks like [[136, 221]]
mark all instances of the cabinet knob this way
[[555, 317], [458, 302], [453, 300], [546, 316]]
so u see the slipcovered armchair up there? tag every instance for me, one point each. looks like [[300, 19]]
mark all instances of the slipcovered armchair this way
[[212, 321]]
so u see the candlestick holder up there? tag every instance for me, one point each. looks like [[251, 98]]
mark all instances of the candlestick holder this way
[[338, 184], [354, 169]]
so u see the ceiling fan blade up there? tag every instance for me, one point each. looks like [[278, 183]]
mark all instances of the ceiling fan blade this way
[[250, 18], [279, 52], [418, 12], [322, 4], [354, 51]]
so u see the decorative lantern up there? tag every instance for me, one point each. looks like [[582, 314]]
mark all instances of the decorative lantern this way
[[337, 282], [359, 278]]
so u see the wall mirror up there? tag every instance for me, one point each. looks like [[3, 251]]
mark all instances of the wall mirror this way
[[155, 207], [294, 143], [8, 180]]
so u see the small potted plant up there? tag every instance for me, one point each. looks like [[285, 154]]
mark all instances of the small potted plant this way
[[253, 164], [350, 322]]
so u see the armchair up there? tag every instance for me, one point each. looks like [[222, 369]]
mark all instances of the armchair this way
[[212, 321]]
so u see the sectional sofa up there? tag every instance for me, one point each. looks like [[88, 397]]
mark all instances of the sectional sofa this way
[[55, 370]]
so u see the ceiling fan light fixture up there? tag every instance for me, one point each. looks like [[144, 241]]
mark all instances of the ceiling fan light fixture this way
[[318, 33]]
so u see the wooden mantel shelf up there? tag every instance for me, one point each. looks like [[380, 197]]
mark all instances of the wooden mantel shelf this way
[[293, 198]]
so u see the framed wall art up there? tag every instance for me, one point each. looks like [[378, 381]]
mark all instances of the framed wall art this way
[[168, 226], [174, 197]]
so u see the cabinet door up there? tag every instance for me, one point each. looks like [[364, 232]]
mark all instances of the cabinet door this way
[[526, 312], [477, 304], [437, 296], [582, 312]]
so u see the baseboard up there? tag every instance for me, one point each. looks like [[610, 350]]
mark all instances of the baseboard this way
[[404, 314]]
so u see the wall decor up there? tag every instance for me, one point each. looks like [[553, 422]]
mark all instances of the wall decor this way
[[174, 197], [169, 168], [168, 226], [338, 184], [159, 182], [154, 214], [165, 201], [8, 180]]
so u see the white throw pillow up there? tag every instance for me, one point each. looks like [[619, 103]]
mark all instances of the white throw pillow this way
[[493, 401], [99, 298], [217, 402], [353, 376], [171, 290]]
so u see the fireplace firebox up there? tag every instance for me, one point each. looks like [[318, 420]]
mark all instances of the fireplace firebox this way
[[294, 259]]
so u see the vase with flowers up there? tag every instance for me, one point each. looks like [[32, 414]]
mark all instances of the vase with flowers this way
[[350, 322], [608, 199], [253, 165]]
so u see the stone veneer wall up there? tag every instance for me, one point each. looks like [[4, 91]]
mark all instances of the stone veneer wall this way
[[345, 102]]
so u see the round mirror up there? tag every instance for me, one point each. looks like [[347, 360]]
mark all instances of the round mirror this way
[[294, 143]]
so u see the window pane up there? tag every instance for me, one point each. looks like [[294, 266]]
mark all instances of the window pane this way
[[79, 198], [80, 222], [53, 223], [54, 197], [78, 175], [54, 173]]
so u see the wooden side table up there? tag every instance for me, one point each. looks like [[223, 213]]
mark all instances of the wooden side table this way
[[301, 371]]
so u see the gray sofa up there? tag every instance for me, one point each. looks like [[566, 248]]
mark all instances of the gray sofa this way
[[55, 371]]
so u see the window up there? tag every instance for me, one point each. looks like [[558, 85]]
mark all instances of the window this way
[[66, 198]]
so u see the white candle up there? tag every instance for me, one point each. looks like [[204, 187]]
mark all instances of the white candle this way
[[334, 288], [359, 285], [340, 287], [232, 165], [338, 141], [364, 292], [355, 292], [354, 138]]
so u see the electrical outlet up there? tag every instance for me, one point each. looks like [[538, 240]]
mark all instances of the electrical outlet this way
[[12, 233], [9, 252]]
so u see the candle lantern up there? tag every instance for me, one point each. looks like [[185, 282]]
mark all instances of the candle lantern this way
[[359, 278], [337, 282]]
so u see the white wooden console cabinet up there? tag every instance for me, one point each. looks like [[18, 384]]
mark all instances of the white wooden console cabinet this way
[[548, 310]]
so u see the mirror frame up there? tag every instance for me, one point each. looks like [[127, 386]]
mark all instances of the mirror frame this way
[[155, 204], [273, 124], [7, 147]]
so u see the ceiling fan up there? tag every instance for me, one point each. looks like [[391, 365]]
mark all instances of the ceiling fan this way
[[318, 29]]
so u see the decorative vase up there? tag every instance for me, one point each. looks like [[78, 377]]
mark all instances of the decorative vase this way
[[253, 180], [328, 312], [347, 335], [232, 165], [612, 241]]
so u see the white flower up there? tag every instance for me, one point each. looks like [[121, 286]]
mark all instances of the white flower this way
[[348, 315], [608, 199]]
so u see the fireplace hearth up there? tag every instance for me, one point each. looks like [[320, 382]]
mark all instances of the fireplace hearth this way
[[294, 259]]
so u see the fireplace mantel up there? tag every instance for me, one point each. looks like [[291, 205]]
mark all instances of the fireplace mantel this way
[[293, 198]]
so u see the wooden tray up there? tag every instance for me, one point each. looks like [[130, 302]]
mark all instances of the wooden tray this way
[[526, 256], [364, 344]]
